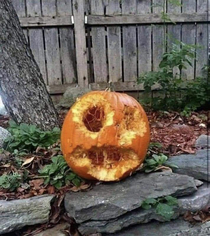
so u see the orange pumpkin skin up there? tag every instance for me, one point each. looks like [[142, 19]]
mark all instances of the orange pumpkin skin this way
[[105, 136]]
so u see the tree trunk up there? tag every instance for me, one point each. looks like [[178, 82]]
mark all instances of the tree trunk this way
[[22, 87]]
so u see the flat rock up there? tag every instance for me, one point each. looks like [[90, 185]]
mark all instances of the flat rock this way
[[138, 216], [195, 165], [110, 200], [203, 141], [177, 227], [197, 201], [3, 135], [19, 213], [70, 96]]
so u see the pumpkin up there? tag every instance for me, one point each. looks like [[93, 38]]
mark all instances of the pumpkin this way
[[105, 136]]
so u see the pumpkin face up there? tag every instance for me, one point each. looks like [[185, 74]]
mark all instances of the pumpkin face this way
[[105, 136]]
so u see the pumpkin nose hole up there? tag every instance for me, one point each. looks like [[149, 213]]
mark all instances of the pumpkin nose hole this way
[[93, 118]]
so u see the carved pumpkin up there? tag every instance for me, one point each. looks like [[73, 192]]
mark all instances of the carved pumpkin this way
[[105, 136]]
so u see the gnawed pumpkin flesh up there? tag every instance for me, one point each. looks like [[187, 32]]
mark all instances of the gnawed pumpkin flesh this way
[[106, 162]]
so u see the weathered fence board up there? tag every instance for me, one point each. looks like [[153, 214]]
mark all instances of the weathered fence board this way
[[81, 49], [159, 40], [34, 22], [36, 37], [145, 19], [114, 43], [188, 34], [202, 39], [98, 44], [67, 51], [52, 45], [144, 39], [37, 47], [118, 40], [173, 30], [20, 8], [64, 7], [129, 44]]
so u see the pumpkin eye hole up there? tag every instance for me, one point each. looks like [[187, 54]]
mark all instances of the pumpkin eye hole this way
[[93, 118]]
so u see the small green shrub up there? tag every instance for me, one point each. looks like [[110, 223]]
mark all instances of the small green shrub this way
[[28, 137], [10, 181], [58, 173], [164, 206], [196, 94], [155, 146], [154, 162], [176, 92]]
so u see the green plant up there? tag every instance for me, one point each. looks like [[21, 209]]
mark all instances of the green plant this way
[[156, 145], [164, 206], [164, 16], [28, 137], [155, 162], [196, 94], [58, 173], [18, 161], [176, 93], [10, 181]]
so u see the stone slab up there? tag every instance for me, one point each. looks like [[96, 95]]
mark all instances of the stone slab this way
[[3, 135], [70, 96], [197, 201], [203, 141], [19, 213], [177, 227], [195, 165], [110, 200], [138, 216]]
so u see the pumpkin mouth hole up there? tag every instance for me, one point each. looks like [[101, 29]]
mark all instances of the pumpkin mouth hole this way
[[105, 156], [93, 118]]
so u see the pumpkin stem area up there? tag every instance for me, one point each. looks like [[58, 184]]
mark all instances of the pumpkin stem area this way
[[93, 118]]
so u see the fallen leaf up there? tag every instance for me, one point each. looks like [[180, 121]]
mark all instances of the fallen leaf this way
[[36, 183], [28, 161], [206, 219], [197, 218], [164, 168], [5, 166], [42, 190], [20, 190], [51, 189]]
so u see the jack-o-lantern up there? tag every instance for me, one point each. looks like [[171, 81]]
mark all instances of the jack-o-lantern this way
[[105, 136]]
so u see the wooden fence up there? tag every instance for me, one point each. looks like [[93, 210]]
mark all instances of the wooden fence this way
[[91, 42]]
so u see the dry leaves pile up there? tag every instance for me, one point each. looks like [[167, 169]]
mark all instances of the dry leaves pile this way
[[201, 216], [35, 186], [32, 163], [177, 134]]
